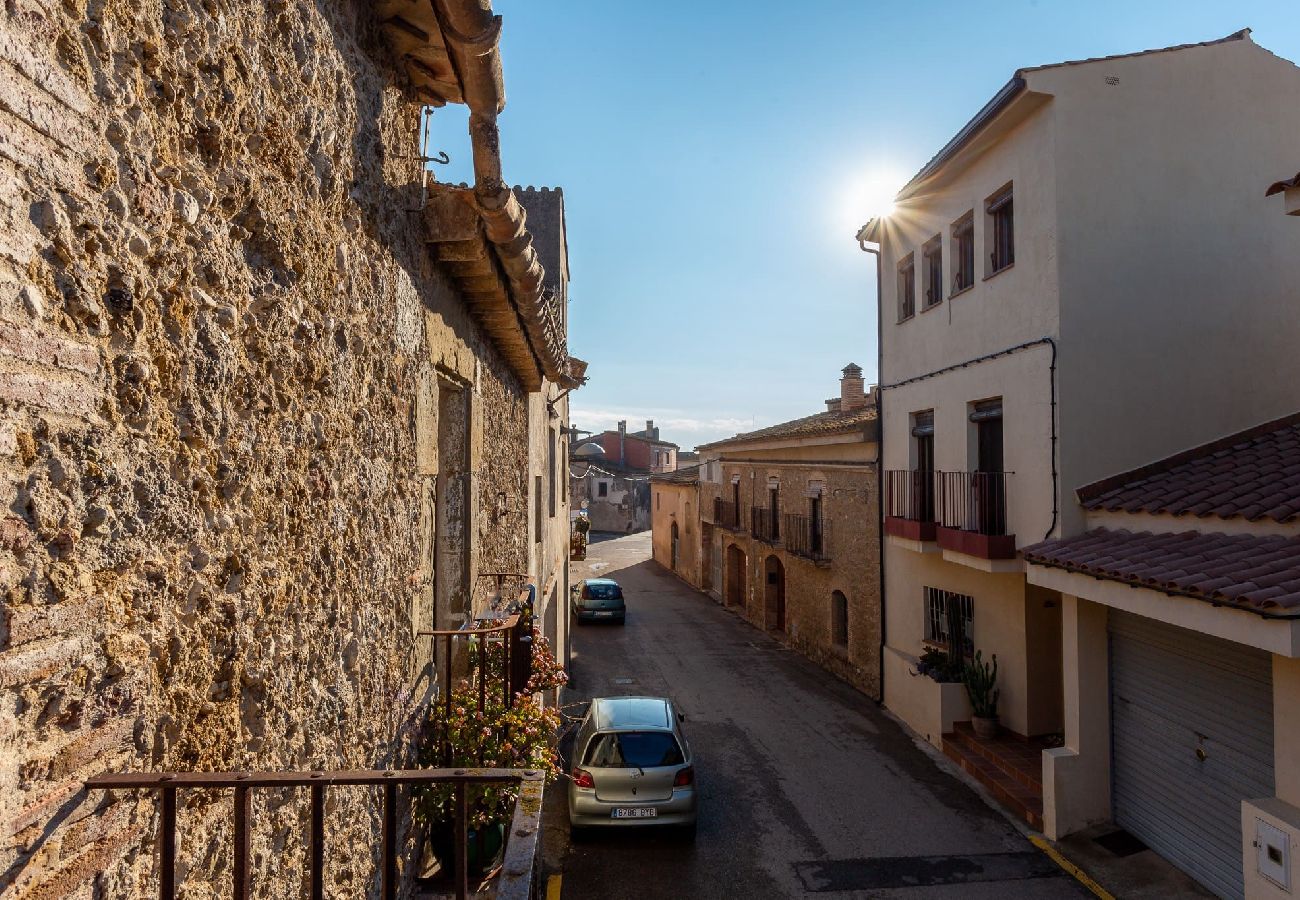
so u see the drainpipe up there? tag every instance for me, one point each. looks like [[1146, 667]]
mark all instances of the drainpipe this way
[[880, 458]]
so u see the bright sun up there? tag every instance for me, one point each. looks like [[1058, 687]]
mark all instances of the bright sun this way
[[871, 194]]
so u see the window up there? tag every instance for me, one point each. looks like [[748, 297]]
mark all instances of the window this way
[[932, 272], [602, 489], [1001, 226], [659, 501], [599, 591], [774, 510], [963, 253], [551, 470], [815, 524], [839, 619], [906, 288], [633, 750], [922, 498], [537, 508], [950, 619]]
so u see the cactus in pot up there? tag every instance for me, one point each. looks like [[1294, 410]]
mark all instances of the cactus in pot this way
[[981, 687]]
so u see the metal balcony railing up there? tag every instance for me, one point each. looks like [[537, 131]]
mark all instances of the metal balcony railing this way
[[522, 837], [726, 513], [764, 525], [805, 536], [974, 501], [498, 658], [910, 494]]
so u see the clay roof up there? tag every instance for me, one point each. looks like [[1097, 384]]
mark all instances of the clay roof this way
[[688, 475], [1256, 572], [1253, 475], [823, 423], [450, 53]]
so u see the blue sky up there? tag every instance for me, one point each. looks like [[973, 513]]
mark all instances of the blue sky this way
[[715, 159]]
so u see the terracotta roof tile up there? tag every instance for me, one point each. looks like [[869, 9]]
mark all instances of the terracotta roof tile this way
[[1252, 475], [821, 423], [685, 475], [1259, 572]]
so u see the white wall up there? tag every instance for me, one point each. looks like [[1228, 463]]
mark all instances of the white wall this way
[[1180, 281]]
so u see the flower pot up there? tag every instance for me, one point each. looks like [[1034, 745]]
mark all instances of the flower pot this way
[[484, 844], [985, 727]]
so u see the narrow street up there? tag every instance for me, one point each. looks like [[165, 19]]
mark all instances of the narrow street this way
[[806, 785]]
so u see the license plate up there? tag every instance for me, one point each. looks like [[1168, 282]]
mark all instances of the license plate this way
[[604, 614], [635, 812]]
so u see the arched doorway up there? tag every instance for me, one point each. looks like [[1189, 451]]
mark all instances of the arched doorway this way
[[735, 575], [774, 597], [673, 549]]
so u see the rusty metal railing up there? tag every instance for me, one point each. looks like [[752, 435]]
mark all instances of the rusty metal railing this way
[[523, 836], [514, 636]]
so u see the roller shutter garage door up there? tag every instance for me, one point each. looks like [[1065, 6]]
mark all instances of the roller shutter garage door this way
[[1192, 736]]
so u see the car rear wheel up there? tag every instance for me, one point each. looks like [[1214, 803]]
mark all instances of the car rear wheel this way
[[577, 834], [687, 833]]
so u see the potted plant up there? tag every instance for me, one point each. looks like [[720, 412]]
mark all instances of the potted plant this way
[[515, 736], [981, 687]]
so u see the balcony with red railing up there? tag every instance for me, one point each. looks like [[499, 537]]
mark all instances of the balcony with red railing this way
[[972, 514], [910, 504]]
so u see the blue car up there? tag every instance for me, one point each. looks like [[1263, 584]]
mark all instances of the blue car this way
[[597, 600]]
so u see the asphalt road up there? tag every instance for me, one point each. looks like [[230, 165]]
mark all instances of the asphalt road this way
[[807, 787]]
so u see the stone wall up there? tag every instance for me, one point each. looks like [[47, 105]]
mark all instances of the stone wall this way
[[851, 513], [222, 353]]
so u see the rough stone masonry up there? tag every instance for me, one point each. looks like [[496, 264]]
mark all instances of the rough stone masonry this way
[[221, 345]]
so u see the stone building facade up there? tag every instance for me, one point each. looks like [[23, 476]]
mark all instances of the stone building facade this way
[[675, 514], [789, 534], [258, 427]]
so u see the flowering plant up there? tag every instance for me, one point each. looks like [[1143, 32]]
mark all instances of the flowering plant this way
[[517, 736]]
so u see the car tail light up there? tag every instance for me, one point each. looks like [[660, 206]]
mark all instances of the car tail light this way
[[582, 778], [685, 777]]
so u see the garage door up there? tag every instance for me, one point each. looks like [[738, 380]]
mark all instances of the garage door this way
[[1192, 736]]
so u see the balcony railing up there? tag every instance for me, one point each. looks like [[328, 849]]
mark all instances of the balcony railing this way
[[516, 880], [910, 503], [505, 677], [972, 514], [805, 536], [764, 525], [910, 494], [726, 513]]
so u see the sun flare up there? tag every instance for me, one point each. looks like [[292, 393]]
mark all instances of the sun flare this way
[[871, 194]]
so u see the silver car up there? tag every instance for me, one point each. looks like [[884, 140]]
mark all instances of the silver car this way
[[632, 766]]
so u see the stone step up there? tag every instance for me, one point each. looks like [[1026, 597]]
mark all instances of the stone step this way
[[1005, 788]]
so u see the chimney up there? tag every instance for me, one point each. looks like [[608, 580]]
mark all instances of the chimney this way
[[833, 404], [852, 389], [622, 442], [650, 430]]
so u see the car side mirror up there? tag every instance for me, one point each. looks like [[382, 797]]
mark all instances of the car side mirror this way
[[681, 717]]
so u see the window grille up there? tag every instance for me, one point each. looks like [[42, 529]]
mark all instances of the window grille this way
[[947, 615]]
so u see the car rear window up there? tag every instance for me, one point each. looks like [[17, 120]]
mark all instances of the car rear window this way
[[633, 749], [602, 592]]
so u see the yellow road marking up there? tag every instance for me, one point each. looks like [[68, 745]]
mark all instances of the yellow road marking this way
[[1042, 844], [553, 887]]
